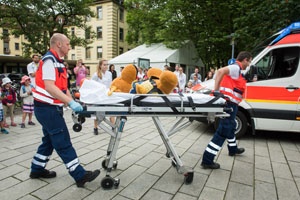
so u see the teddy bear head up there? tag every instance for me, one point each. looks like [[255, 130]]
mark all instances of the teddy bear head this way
[[167, 82]]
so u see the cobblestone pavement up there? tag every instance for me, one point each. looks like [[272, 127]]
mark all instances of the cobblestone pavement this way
[[269, 169]]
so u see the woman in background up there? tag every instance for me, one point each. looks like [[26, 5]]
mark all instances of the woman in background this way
[[113, 71], [102, 75]]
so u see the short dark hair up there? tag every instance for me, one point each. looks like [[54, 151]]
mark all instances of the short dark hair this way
[[34, 55], [244, 54]]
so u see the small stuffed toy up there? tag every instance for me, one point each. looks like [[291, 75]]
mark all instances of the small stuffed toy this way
[[123, 83]]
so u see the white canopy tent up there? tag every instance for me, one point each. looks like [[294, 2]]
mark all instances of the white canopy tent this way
[[159, 55]]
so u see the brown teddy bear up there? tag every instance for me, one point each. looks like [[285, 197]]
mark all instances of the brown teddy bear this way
[[165, 81], [123, 83]]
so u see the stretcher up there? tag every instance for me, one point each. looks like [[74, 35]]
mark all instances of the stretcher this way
[[183, 107]]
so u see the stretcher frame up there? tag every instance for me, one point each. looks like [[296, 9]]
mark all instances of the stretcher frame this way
[[122, 111]]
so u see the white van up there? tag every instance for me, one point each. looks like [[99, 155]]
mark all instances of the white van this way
[[273, 101]]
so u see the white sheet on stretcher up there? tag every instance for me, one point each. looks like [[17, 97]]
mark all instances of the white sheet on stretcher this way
[[92, 92]]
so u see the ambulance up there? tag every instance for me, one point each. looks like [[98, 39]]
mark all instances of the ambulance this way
[[272, 96]]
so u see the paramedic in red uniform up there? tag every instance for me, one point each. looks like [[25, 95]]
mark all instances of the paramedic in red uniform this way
[[231, 83], [50, 95]]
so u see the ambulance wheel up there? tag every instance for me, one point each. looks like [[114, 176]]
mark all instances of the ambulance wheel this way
[[241, 124], [107, 182], [77, 127], [188, 177]]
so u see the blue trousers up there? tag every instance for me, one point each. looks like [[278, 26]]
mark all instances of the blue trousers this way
[[225, 130], [56, 136]]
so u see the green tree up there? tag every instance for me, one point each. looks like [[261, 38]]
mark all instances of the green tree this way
[[207, 23], [38, 20]]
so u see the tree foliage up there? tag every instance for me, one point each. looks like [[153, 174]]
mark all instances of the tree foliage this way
[[38, 20], [208, 24]]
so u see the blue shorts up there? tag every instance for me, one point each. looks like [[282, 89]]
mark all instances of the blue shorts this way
[[1, 115]]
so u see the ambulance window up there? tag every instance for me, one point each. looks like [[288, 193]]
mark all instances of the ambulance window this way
[[278, 63]]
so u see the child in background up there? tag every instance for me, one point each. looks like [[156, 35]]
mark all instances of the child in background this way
[[26, 94], [3, 130], [8, 100]]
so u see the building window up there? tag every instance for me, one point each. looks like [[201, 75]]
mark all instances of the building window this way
[[73, 31], [73, 57], [121, 50], [99, 12], [99, 52], [121, 17], [6, 48], [88, 52], [5, 32], [17, 46], [121, 34], [99, 32]]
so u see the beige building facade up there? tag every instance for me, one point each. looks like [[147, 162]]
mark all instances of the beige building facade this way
[[109, 24], [110, 27]]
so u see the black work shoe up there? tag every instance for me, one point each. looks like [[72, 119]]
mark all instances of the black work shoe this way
[[238, 151], [211, 166], [88, 177], [43, 174], [95, 131]]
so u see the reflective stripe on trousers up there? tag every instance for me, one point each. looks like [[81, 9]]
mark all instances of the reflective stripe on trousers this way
[[56, 136], [225, 130]]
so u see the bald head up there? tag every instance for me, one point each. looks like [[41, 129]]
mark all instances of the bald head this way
[[60, 43]]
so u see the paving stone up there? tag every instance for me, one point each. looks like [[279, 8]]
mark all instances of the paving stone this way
[[150, 159], [8, 182], [264, 191], [119, 197], [157, 195], [73, 193], [263, 175], [160, 167], [10, 171], [21, 189], [284, 192], [238, 191], [263, 163], [9, 154], [145, 149], [180, 196], [211, 194], [61, 183], [281, 170], [28, 197], [218, 179], [261, 151], [194, 189], [128, 160], [295, 168], [242, 173], [170, 182], [139, 186], [292, 155], [130, 174]]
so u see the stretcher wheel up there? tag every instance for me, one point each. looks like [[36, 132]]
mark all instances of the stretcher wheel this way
[[173, 163], [104, 164], [77, 127], [81, 119], [115, 164], [109, 182], [188, 177]]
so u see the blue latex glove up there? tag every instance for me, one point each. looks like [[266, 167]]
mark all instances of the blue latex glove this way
[[75, 106]]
